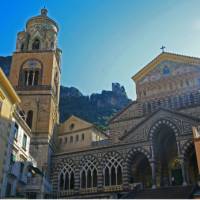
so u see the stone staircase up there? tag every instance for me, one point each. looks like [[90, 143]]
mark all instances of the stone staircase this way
[[173, 192]]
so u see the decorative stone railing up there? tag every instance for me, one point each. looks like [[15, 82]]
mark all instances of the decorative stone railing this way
[[88, 190], [63, 193], [112, 188]]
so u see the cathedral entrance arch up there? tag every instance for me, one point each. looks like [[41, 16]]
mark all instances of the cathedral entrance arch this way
[[139, 167], [165, 153]]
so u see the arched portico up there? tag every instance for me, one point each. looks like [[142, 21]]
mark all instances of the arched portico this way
[[139, 167], [166, 153]]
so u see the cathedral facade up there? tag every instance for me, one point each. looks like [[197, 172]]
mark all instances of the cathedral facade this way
[[150, 143]]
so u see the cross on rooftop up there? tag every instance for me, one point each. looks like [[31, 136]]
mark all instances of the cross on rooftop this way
[[163, 49]]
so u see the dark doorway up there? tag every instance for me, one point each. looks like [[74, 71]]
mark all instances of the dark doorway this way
[[140, 170], [166, 154]]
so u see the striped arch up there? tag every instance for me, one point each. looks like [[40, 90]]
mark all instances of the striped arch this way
[[185, 147], [112, 168], [88, 172], [160, 122], [134, 157], [66, 175], [135, 150]]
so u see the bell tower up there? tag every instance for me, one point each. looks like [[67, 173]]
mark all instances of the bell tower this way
[[35, 74]]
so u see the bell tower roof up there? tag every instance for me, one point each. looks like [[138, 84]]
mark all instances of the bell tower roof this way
[[44, 12], [42, 19]]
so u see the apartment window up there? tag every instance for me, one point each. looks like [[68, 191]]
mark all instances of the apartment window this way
[[71, 139], [66, 140], [60, 140], [83, 136], [12, 159], [24, 141], [77, 138], [16, 129]]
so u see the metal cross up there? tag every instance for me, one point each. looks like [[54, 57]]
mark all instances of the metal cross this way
[[163, 49]]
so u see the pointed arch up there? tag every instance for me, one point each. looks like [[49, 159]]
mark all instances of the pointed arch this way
[[113, 169], [36, 44], [66, 176], [88, 172]]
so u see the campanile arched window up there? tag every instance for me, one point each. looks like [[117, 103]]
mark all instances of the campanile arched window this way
[[31, 73], [36, 44]]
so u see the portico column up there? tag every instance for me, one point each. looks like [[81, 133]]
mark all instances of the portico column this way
[[125, 176], [153, 166], [27, 78], [100, 178], [183, 171], [33, 80], [77, 181], [153, 172]]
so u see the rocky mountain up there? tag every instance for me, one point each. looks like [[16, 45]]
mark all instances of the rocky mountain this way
[[96, 108], [5, 63]]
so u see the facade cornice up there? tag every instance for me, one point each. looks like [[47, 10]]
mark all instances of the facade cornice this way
[[165, 56]]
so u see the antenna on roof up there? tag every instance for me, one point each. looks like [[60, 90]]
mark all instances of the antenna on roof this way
[[45, 3]]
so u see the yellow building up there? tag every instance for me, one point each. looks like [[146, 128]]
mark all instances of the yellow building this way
[[8, 101], [77, 134]]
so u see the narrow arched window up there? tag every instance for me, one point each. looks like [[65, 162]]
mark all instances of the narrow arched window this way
[[29, 119], [22, 46], [113, 176], [52, 45], [119, 175], [106, 175], [61, 181], [83, 180], [72, 181], [66, 181], [36, 78], [95, 178], [89, 179], [30, 78], [36, 44]]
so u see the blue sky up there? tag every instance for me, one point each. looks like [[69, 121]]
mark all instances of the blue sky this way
[[105, 41]]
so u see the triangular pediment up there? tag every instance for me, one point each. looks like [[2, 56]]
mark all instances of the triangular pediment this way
[[167, 64], [141, 132], [73, 124]]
